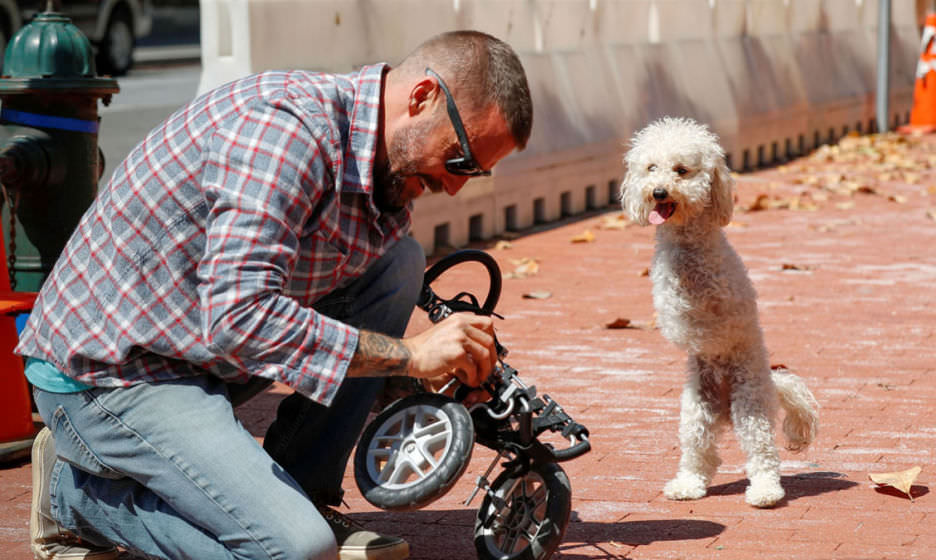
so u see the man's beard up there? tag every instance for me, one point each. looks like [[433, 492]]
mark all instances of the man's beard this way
[[390, 186]]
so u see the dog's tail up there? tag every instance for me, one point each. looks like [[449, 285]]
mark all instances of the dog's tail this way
[[802, 411]]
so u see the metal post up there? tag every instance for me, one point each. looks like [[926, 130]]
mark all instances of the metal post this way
[[883, 65]]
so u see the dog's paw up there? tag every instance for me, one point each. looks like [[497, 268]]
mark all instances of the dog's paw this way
[[764, 492], [685, 487]]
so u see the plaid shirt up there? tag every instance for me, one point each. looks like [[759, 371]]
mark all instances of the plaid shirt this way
[[205, 251]]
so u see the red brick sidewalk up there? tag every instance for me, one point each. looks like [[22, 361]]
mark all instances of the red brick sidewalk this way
[[845, 274]]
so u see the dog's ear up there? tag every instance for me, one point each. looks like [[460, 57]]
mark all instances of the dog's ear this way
[[629, 199], [722, 192]]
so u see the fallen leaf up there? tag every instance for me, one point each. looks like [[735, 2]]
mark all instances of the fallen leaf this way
[[618, 221], [899, 199], [762, 202], [524, 267], [619, 323], [848, 205], [931, 213], [537, 295], [902, 480], [501, 245], [644, 272], [585, 237], [800, 267]]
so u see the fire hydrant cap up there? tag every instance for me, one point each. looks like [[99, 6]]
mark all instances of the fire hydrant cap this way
[[51, 52]]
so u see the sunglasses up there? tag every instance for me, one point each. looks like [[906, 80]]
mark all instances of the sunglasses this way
[[466, 164]]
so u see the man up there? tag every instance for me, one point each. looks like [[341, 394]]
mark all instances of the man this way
[[259, 234]]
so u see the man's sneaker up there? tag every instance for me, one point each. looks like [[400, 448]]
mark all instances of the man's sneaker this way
[[357, 543], [47, 540]]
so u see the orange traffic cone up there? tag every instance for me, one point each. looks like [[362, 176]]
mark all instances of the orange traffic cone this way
[[923, 114], [15, 407]]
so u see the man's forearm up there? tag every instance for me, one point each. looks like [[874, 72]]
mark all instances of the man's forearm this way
[[379, 355]]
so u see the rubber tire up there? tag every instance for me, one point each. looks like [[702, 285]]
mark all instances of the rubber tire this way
[[549, 536], [470, 255], [5, 37], [113, 59], [440, 480]]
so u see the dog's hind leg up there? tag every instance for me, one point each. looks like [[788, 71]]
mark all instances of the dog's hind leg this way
[[753, 403], [700, 413]]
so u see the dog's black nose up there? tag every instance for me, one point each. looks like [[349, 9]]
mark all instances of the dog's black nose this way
[[660, 193]]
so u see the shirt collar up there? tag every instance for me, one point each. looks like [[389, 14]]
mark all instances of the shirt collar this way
[[362, 138]]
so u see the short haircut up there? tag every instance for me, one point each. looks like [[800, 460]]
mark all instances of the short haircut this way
[[484, 70]]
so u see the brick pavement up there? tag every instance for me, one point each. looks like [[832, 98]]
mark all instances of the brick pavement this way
[[844, 274]]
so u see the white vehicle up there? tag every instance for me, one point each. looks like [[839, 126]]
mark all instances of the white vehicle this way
[[112, 26]]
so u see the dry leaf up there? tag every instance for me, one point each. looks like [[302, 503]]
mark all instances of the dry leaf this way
[[899, 199], [760, 203], [524, 267], [501, 245], [644, 272], [800, 267], [537, 295], [902, 480], [848, 205], [618, 221], [585, 237], [619, 323], [931, 213]]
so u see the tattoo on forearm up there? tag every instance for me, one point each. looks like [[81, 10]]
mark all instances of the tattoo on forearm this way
[[378, 355]]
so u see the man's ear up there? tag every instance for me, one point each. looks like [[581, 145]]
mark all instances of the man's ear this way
[[422, 95]]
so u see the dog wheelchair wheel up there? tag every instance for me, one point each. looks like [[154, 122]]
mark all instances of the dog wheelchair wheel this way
[[413, 452], [523, 517], [439, 308]]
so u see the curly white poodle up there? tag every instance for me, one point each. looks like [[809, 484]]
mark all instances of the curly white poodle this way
[[677, 180]]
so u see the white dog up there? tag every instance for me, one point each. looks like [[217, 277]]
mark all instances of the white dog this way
[[678, 181]]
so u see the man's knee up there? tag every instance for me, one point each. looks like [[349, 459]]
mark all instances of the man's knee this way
[[307, 539]]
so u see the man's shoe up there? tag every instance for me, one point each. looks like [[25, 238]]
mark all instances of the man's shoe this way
[[47, 540], [357, 543]]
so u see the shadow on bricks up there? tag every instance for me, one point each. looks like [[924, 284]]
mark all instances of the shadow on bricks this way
[[643, 532], [796, 486]]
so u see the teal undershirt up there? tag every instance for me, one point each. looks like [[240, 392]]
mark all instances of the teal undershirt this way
[[49, 378]]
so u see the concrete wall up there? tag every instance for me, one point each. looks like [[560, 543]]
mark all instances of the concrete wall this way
[[774, 78]]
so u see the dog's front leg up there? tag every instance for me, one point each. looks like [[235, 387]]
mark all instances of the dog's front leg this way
[[698, 431]]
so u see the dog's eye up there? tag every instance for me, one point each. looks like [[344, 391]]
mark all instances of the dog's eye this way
[[681, 170], [651, 167]]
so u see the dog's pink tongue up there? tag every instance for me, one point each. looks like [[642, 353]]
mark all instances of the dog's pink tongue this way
[[656, 218]]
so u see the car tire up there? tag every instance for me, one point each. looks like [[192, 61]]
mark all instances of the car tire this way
[[5, 36], [115, 50]]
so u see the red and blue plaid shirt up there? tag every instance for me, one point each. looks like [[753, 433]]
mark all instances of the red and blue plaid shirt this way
[[206, 250]]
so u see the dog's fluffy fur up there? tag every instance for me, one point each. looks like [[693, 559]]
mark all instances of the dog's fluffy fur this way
[[678, 181]]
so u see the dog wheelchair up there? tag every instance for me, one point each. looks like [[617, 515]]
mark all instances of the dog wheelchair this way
[[417, 447]]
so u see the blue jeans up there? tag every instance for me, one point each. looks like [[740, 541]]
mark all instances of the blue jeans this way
[[167, 471]]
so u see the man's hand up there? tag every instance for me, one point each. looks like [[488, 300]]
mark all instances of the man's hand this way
[[462, 344]]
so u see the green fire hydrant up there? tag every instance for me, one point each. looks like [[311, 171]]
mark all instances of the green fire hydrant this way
[[50, 162]]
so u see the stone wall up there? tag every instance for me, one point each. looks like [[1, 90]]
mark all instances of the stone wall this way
[[774, 78]]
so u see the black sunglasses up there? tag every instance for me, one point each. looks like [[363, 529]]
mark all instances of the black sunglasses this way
[[466, 164]]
